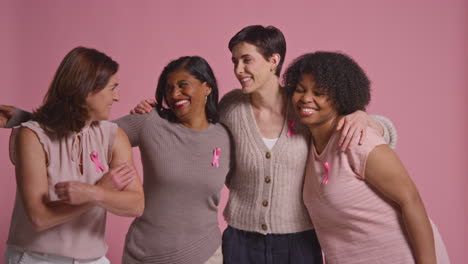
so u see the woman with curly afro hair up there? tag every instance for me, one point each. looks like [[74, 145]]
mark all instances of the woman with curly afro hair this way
[[363, 204]]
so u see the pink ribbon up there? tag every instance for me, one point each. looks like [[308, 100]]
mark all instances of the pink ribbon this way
[[216, 154], [95, 158], [327, 173], [291, 124]]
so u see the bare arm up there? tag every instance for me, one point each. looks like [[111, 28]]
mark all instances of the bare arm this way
[[31, 179], [130, 201], [127, 202], [385, 171]]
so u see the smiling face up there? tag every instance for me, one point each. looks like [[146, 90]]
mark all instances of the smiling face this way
[[100, 103], [312, 106], [251, 68], [186, 96]]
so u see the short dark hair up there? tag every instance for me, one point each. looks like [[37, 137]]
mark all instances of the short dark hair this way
[[201, 70], [337, 75], [81, 72], [268, 40]]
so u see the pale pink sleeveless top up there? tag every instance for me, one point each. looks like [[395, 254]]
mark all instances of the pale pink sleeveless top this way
[[83, 236], [354, 222]]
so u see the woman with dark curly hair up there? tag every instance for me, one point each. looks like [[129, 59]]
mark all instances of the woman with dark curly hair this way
[[363, 204]]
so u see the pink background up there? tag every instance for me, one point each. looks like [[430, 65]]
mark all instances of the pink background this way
[[414, 52]]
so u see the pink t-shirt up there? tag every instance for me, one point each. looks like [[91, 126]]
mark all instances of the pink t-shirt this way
[[354, 222]]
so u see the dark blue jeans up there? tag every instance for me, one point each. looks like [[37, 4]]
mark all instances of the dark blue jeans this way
[[242, 247]]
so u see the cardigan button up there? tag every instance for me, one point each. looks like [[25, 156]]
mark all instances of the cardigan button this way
[[268, 155], [265, 203], [267, 179], [264, 227]]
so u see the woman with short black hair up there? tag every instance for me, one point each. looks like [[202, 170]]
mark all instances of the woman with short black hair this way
[[267, 219]]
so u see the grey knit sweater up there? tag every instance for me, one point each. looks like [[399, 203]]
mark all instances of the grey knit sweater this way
[[181, 185], [265, 186]]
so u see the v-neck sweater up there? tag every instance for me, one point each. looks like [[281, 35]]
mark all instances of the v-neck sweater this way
[[265, 186]]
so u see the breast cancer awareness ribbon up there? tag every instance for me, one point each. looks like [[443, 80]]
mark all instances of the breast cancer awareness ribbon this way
[[216, 154], [291, 123], [327, 173], [95, 158]]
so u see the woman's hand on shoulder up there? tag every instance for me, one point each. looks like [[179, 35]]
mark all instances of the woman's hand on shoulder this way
[[6, 112], [144, 107], [353, 129]]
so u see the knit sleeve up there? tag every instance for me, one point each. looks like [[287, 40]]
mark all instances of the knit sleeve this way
[[232, 158], [390, 133], [357, 156], [11, 147], [133, 125], [227, 103], [19, 116]]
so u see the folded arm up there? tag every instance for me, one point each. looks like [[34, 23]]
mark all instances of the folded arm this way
[[32, 182], [130, 200], [119, 191]]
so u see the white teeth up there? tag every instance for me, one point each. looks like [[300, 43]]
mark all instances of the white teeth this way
[[246, 79], [308, 110], [181, 102]]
